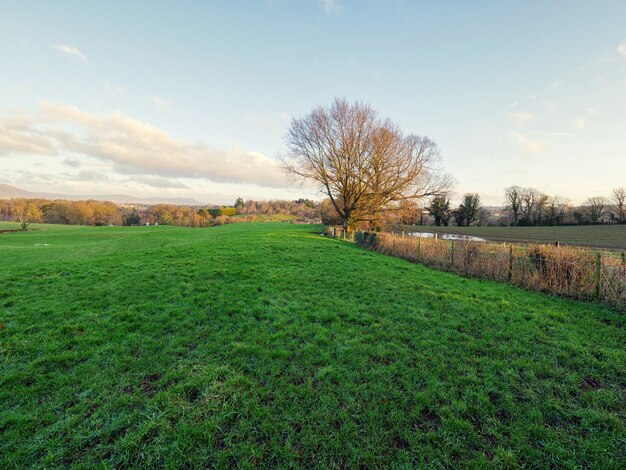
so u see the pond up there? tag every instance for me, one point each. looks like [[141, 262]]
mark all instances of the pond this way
[[448, 236]]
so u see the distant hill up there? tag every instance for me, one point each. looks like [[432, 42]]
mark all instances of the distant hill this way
[[11, 192]]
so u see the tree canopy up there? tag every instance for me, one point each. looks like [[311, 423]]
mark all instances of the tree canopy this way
[[365, 165]]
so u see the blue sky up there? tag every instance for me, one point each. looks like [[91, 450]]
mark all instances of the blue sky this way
[[192, 99]]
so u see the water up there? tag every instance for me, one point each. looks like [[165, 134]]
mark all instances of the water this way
[[448, 236]]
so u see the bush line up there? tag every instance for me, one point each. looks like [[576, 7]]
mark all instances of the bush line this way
[[574, 272]]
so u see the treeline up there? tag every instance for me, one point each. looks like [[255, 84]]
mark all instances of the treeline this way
[[525, 207], [93, 212], [522, 207]]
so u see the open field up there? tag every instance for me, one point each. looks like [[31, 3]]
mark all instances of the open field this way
[[599, 236], [268, 345]]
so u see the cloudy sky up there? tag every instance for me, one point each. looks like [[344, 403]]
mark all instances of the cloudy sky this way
[[192, 99]]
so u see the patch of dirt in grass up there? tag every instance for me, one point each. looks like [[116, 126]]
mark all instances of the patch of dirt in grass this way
[[429, 421], [589, 384], [400, 443], [504, 416], [147, 384]]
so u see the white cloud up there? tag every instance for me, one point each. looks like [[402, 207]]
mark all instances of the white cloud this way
[[131, 147], [531, 146], [91, 175], [522, 119], [160, 103], [275, 122], [511, 106], [593, 63], [158, 182], [71, 51], [580, 122], [74, 163], [113, 88], [19, 136], [621, 49], [331, 6]]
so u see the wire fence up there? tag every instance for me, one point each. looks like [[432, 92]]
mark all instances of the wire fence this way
[[576, 272]]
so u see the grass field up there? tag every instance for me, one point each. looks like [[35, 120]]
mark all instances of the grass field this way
[[263, 345], [599, 236]]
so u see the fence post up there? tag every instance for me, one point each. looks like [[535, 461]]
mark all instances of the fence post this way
[[419, 249], [510, 274], [598, 273], [452, 253], [624, 267], [402, 233]]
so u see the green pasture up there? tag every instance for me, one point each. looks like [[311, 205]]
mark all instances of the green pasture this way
[[268, 345]]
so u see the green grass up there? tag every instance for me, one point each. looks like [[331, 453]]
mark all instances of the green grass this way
[[267, 345], [599, 236], [266, 217]]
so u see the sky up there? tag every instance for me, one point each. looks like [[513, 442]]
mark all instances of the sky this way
[[193, 99]]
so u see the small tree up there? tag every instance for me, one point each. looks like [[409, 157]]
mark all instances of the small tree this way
[[483, 217], [239, 205], [26, 212], [595, 208], [528, 205], [469, 209], [440, 209], [513, 202], [619, 204], [554, 211]]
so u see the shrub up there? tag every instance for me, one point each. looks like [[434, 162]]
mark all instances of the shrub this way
[[567, 271]]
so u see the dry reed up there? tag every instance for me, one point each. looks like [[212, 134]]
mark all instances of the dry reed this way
[[575, 272]]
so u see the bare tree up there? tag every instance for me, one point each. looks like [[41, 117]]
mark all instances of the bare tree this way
[[594, 208], [619, 204], [365, 165], [529, 198], [540, 209], [513, 202], [555, 210], [483, 217]]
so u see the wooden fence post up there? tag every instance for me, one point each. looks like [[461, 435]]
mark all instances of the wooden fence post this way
[[624, 267], [419, 249], [510, 274], [452, 253], [598, 274]]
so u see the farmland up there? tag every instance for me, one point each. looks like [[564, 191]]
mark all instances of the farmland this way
[[265, 345], [599, 236]]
